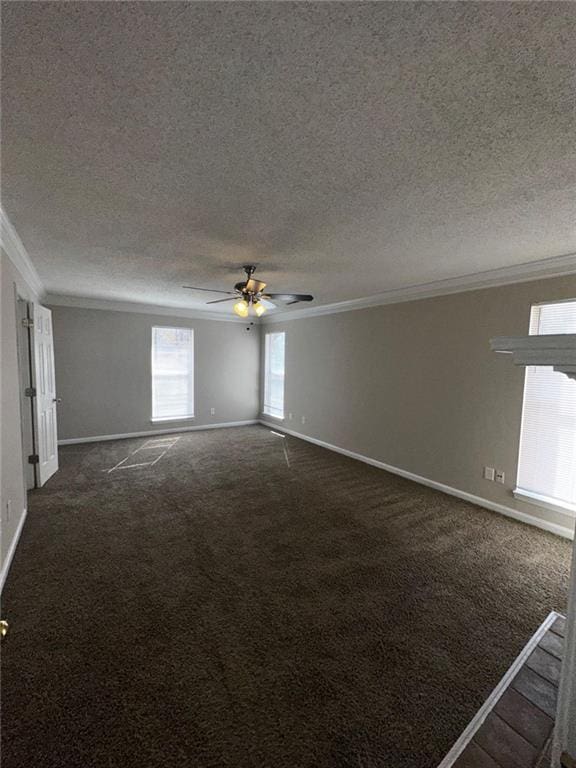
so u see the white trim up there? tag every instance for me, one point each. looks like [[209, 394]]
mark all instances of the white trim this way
[[145, 433], [521, 273], [18, 255], [172, 418], [536, 270], [544, 268], [545, 501], [559, 530], [491, 701], [10, 554], [58, 300]]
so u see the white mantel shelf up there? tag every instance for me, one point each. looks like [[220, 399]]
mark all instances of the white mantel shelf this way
[[558, 351]]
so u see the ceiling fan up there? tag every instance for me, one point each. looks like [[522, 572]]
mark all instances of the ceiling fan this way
[[250, 294]]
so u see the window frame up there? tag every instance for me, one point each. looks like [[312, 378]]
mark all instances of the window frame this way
[[160, 419], [265, 405], [522, 494]]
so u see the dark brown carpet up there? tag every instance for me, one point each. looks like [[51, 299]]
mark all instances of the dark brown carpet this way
[[225, 608]]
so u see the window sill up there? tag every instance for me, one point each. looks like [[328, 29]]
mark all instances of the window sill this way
[[545, 501], [173, 418], [272, 416]]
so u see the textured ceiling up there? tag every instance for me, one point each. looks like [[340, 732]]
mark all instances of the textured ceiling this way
[[345, 148]]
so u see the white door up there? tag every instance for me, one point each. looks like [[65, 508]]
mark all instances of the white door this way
[[45, 411], [24, 344]]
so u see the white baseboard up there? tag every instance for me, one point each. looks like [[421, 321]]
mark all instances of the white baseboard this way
[[146, 433], [10, 554], [473, 726], [523, 517]]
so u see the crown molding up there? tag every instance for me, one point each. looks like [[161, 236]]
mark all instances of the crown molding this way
[[16, 252], [81, 302], [557, 266], [544, 268]]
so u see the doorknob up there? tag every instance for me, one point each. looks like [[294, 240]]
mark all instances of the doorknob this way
[[57, 400], [3, 628]]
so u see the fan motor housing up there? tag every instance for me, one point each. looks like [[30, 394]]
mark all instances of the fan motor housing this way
[[251, 286]]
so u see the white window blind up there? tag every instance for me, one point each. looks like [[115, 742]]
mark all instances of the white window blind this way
[[172, 373], [547, 460], [274, 374]]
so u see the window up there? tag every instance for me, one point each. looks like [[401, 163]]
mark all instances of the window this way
[[172, 373], [547, 458], [274, 375]]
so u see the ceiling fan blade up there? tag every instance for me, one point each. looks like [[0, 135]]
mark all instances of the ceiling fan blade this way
[[267, 304], [217, 301], [292, 298], [208, 290]]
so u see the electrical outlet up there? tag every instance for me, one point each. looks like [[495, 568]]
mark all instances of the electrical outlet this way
[[289, 417], [212, 411], [303, 419], [500, 477], [488, 473]]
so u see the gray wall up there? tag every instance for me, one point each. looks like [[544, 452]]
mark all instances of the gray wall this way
[[12, 481], [103, 371], [415, 385]]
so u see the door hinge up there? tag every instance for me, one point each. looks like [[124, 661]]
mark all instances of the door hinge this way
[[30, 392], [34, 459], [28, 322]]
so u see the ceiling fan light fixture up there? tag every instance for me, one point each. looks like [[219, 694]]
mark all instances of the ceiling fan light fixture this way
[[259, 308], [241, 308], [250, 293]]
